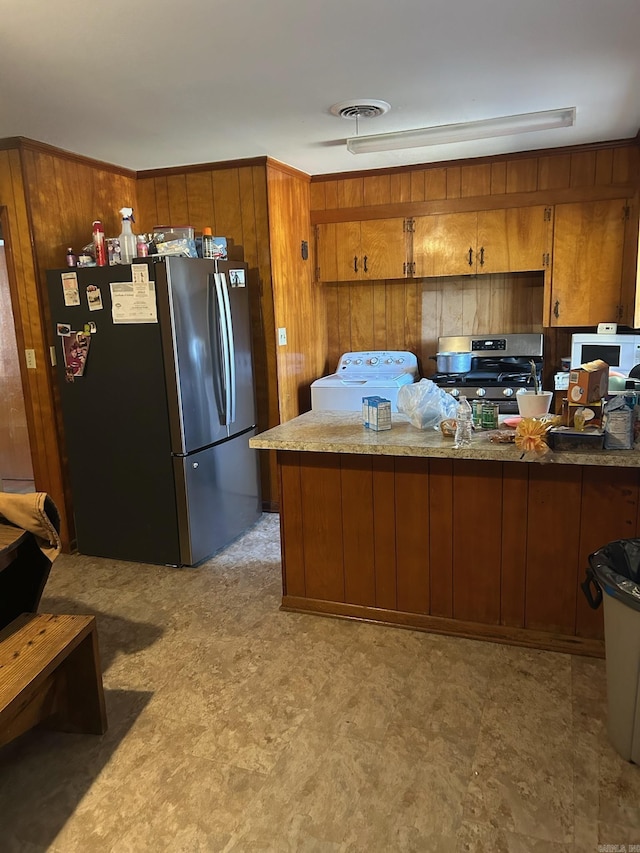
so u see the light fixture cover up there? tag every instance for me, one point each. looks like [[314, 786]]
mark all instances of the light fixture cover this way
[[448, 133]]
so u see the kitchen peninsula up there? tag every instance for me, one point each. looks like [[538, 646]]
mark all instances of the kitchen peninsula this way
[[399, 527]]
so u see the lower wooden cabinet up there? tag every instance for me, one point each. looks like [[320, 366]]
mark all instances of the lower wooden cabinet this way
[[474, 548]]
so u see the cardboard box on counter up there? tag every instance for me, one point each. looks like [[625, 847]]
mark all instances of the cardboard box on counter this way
[[376, 413], [592, 413], [589, 382]]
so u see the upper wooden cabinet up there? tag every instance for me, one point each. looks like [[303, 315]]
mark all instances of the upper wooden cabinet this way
[[444, 244], [591, 277], [490, 241], [361, 251]]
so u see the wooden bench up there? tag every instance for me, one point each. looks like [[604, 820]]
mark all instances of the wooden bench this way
[[50, 674]]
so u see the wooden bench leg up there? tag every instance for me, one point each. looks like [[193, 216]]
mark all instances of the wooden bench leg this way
[[78, 696]]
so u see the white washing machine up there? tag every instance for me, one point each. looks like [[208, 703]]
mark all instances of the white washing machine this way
[[363, 374]]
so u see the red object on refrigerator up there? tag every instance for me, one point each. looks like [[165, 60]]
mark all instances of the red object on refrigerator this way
[[99, 244]]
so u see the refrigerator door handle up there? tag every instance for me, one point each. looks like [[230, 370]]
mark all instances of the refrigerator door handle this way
[[224, 335], [232, 350]]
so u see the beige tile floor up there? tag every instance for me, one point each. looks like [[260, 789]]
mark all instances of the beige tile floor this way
[[236, 727]]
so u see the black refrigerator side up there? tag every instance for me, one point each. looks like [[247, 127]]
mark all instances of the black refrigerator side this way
[[116, 421]]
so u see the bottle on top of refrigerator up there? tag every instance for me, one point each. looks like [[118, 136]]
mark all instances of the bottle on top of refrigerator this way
[[142, 247], [99, 244], [207, 243], [72, 260], [127, 237]]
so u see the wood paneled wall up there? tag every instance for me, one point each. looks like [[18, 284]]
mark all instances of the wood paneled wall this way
[[49, 199], [508, 178], [232, 200], [412, 314], [298, 305]]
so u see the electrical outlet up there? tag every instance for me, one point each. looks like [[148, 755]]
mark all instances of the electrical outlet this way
[[282, 337], [607, 328], [31, 358]]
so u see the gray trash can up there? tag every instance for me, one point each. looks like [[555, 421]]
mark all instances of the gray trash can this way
[[615, 569]]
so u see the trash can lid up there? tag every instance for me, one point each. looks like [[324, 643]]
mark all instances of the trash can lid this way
[[617, 570]]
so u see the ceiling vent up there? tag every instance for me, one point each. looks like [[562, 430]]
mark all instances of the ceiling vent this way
[[362, 108]]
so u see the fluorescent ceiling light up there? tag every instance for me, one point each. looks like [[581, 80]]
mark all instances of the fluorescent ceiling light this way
[[447, 133]]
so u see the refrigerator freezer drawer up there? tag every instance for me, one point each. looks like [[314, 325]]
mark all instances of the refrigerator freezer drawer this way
[[218, 497]]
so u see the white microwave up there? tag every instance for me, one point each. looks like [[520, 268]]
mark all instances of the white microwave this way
[[620, 352]]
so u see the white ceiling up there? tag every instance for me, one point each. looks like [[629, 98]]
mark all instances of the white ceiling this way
[[154, 83]]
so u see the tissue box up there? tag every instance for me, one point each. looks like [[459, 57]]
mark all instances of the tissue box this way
[[589, 382], [376, 413]]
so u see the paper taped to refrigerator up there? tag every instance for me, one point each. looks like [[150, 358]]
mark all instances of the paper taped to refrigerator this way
[[133, 302]]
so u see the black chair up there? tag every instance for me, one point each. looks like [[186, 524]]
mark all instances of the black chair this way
[[24, 568]]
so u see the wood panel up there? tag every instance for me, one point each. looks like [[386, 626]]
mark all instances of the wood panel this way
[[298, 304], [321, 503], [384, 531], [293, 552], [515, 500], [553, 533], [412, 534], [560, 169], [477, 540], [357, 530], [441, 536]]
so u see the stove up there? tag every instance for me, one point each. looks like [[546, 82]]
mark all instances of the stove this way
[[500, 365]]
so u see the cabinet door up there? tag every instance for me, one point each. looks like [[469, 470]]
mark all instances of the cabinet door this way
[[445, 244], [349, 262], [326, 253], [338, 251], [586, 278], [513, 240], [383, 252], [354, 251]]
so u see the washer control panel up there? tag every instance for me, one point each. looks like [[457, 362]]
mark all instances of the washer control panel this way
[[378, 363]]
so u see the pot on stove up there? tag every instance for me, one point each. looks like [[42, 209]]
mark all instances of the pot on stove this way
[[453, 362]]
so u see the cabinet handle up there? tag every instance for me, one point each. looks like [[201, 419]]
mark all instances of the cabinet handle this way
[[482, 256], [556, 309], [355, 264], [470, 257], [365, 264]]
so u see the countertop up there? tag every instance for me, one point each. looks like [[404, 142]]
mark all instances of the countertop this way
[[342, 432]]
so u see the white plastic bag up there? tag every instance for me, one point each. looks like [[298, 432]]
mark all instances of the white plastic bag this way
[[426, 404]]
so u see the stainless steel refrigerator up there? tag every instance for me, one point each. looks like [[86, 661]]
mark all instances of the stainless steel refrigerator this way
[[157, 398]]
